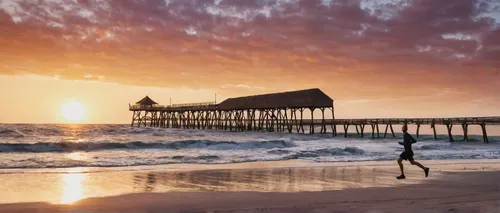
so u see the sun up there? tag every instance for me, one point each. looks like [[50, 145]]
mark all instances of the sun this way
[[73, 111]]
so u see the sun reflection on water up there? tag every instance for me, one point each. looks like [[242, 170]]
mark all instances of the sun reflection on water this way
[[76, 156], [72, 187]]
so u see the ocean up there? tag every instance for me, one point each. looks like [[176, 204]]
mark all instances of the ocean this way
[[62, 146]]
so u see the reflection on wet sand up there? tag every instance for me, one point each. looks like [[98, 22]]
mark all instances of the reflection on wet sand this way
[[150, 182], [72, 188], [74, 184], [265, 180]]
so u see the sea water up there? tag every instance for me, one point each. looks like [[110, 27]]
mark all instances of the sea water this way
[[59, 146]]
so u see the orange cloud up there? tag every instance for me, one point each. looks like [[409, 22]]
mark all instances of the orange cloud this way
[[363, 48]]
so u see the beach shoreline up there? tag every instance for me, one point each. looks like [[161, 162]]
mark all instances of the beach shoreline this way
[[242, 187], [293, 163]]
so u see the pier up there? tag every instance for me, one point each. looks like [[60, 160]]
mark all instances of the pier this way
[[284, 112]]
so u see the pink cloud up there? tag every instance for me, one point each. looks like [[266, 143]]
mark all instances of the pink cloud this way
[[368, 47]]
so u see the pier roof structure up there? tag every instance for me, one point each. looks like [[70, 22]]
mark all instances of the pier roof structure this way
[[309, 98], [146, 101]]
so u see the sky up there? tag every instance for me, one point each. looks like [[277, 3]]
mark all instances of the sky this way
[[375, 58]]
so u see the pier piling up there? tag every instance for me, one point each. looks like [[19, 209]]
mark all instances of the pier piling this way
[[346, 127], [373, 130], [433, 126], [465, 129], [386, 128], [392, 131], [418, 130], [485, 135], [362, 127], [450, 136]]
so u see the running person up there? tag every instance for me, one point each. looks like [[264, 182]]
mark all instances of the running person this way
[[408, 140]]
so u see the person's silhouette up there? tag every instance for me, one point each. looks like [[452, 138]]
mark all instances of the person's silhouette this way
[[408, 140]]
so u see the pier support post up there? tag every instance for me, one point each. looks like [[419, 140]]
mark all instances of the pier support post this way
[[466, 134], [171, 121], [392, 130], [485, 136], [152, 119], [143, 119], [362, 127], [289, 124], [227, 118], [279, 120], [133, 118], [273, 118], [311, 128], [323, 125], [155, 119], [237, 120], [346, 127], [433, 126], [260, 121], [284, 120], [201, 118], [373, 130], [267, 121], [244, 120], [418, 130], [386, 128], [334, 124], [295, 121], [252, 123], [160, 119], [302, 120], [164, 120], [193, 119], [450, 136]]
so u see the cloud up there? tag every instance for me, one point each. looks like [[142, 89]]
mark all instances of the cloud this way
[[362, 48]]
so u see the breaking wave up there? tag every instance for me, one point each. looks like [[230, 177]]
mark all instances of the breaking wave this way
[[434, 147], [186, 144], [326, 152], [10, 133]]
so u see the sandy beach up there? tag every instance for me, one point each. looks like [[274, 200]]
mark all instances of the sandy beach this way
[[285, 186]]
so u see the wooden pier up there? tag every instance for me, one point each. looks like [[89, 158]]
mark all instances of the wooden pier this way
[[282, 112]]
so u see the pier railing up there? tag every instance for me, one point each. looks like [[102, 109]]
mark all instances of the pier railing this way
[[423, 121], [201, 105], [146, 107], [194, 104]]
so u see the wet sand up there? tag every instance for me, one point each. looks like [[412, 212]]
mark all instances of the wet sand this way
[[286, 186]]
